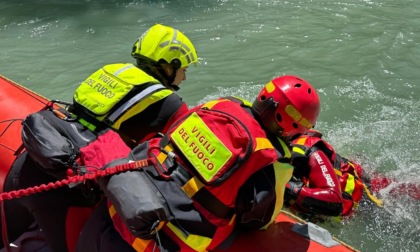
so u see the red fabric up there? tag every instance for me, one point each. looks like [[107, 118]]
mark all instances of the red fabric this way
[[353, 168], [356, 195], [105, 149], [347, 207], [323, 182], [236, 140], [398, 188]]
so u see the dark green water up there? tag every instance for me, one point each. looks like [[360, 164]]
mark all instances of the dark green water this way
[[362, 55]]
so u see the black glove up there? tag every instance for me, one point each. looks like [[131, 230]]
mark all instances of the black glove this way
[[292, 190]]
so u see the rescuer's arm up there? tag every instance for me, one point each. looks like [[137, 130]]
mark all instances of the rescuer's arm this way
[[261, 197], [322, 193], [256, 200]]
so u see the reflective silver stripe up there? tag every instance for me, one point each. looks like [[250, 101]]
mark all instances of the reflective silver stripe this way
[[177, 45], [163, 44], [122, 109], [174, 37], [173, 41], [116, 73]]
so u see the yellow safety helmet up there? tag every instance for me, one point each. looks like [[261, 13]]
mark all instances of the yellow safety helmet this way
[[163, 42]]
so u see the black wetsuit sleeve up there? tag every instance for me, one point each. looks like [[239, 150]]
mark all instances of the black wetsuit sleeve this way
[[153, 119], [256, 199]]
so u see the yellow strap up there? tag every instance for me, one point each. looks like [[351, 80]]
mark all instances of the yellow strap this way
[[232, 221], [196, 242], [112, 211], [87, 124], [350, 184], [140, 244], [263, 143], [298, 150], [377, 201], [192, 186], [162, 155], [287, 153], [338, 172], [246, 102], [211, 104], [301, 140]]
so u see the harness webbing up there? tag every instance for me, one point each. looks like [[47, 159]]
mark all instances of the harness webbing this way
[[190, 184]]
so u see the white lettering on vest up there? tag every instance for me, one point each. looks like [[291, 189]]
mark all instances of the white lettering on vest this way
[[324, 170]]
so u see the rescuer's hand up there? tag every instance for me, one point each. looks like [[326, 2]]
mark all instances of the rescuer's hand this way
[[292, 190]]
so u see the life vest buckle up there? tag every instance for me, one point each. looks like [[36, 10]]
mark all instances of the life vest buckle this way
[[170, 154]]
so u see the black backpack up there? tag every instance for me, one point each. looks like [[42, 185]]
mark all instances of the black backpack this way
[[54, 143]]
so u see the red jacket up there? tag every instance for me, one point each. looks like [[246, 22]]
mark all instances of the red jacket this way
[[332, 185]]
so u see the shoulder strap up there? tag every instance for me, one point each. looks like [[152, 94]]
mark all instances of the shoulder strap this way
[[121, 109]]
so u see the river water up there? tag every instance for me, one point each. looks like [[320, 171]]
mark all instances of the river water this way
[[362, 55]]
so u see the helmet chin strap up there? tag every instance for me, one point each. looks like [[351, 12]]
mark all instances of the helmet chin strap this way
[[172, 67], [169, 79], [175, 65], [265, 111], [175, 87]]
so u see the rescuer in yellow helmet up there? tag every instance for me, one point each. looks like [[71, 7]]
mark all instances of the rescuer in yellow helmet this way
[[136, 100], [164, 53], [126, 97]]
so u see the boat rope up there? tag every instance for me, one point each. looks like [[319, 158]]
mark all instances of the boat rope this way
[[31, 93], [10, 121], [50, 105], [135, 165]]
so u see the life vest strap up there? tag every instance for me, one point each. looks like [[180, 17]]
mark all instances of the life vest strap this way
[[214, 205], [194, 188], [87, 119], [133, 100], [374, 199], [377, 201]]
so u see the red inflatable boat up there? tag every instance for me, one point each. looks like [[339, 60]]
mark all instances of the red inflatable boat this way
[[16, 102], [289, 233]]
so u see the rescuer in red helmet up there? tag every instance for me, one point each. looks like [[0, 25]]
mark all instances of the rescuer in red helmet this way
[[204, 177]]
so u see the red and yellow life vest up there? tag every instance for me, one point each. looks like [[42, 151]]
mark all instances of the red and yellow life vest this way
[[217, 146]]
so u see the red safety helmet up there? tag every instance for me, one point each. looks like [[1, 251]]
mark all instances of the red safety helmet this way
[[287, 106]]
